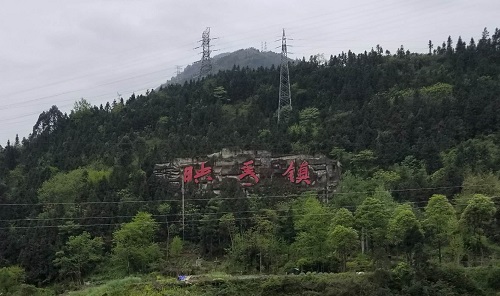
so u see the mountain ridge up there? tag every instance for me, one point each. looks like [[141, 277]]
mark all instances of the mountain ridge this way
[[249, 57]]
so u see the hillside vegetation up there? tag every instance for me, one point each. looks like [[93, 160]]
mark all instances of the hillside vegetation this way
[[417, 135]]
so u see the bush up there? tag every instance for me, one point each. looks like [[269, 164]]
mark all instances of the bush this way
[[10, 279], [456, 277], [111, 288], [29, 290], [362, 262]]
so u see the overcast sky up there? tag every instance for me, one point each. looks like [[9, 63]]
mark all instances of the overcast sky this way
[[54, 52]]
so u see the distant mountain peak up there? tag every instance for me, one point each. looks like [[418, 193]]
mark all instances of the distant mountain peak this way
[[249, 57]]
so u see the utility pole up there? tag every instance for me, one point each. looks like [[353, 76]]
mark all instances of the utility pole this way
[[206, 61], [285, 98], [183, 190]]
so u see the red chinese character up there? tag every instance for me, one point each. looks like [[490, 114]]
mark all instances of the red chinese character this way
[[188, 174], [203, 171], [303, 173], [290, 171], [249, 170]]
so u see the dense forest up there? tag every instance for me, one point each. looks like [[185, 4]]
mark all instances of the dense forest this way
[[417, 135]]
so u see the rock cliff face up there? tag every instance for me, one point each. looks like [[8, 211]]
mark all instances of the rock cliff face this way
[[252, 169]]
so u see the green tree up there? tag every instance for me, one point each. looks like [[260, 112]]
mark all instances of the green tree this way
[[440, 222], [228, 224], [270, 246], [343, 217], [486, 183], [63, 187], [220, 93], [412, 174], [344, 241], [474, 221], [81, 106], [372, 217], [405, 231], [10, 279], [176, 246], [134, 247], [353, 190], [305, 133], [79, 256], [311, 223], [259, 248], [363, 163]]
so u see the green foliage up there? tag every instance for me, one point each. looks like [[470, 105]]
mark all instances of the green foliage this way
[[372, 217], [81, 106], [440, 222], [311, 223], [403, 273], [475, 156], [474, 219], [478, 213], [309, 116], [220, 93], [228, 225], [259, 248], [343, 241], [176, 247], [79, 256], [11, 278], [120, 287], [363, 162], [63, 187], [95, 176], [353, 190], [402, 220], [305, 133], [405, 127], [437, 91], [412, 174], [343, 217], [405, 231], [134, 248], [388, 178], [487, 184]]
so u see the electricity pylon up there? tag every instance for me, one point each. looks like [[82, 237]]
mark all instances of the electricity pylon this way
[[206, 61], [285, 97]]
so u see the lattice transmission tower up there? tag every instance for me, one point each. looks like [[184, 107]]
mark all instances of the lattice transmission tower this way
[[285, 97], [178, 69], [206, 61]]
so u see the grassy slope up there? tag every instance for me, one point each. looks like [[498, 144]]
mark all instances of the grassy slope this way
[[445, 281]]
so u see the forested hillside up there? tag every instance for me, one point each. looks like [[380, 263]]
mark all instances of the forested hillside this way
[[417, 135]]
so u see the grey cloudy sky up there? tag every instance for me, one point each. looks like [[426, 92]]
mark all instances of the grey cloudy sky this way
[[54, 52]]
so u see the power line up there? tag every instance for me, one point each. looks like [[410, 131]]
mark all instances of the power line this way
[[187, 220], [237, 198], [3, 107], [196, 213], [315, 24]]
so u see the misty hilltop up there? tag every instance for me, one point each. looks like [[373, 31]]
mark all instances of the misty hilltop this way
[[250, 57]]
